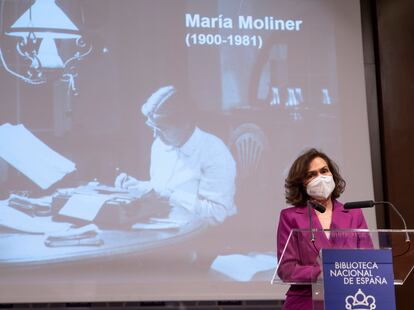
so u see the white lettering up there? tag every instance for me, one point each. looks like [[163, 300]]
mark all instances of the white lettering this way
[[372, 280], [356, 265], [197, 21], [350, 273], [192, 20], [269, 23]]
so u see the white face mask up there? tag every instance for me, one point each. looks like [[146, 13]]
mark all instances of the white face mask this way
[[321, 187]]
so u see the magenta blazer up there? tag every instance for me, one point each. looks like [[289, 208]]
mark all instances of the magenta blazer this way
[[299, 260]]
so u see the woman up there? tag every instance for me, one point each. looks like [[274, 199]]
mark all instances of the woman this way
[[313, 179]]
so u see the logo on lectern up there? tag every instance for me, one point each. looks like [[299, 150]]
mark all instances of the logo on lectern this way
[[360, 301]]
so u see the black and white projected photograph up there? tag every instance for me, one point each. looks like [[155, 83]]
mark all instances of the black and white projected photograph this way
[[144, 144]]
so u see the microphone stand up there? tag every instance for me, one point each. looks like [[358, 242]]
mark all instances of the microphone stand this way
[[407, 237], [310, 223]]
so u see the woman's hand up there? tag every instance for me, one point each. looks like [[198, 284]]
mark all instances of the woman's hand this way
[[127, 182]]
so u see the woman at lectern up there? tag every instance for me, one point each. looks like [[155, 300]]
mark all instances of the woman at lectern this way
[[313, 184]]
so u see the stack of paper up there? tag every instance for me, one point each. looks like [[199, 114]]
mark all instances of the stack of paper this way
[[23, 150]]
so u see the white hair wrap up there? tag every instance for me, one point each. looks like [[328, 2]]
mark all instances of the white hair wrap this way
[[157, 99]]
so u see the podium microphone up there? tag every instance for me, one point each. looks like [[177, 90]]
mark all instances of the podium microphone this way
[[359, 204], [370, 204], [318, 207]]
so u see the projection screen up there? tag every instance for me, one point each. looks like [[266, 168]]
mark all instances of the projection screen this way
[[144, 144]]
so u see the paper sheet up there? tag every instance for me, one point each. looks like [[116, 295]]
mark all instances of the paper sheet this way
[[243, 267], [24, 151], [85, 207], [159, 223], [12, 218]]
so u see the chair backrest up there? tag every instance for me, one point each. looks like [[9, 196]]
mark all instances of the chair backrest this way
[[248, 143]]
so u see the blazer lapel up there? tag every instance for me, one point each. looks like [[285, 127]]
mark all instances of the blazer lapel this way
[[321, 241]]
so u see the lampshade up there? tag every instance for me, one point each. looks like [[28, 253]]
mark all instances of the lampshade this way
[[44, 18], [35, 35]]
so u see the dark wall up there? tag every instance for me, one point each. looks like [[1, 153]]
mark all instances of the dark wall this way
[[389, 69]]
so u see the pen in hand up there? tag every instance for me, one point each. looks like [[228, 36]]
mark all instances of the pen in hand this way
[[125, 181], [121, 180]]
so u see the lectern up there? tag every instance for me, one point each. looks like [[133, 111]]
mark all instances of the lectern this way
[[348, 268]]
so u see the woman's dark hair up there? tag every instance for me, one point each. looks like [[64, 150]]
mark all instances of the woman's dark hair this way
[[295, 190]]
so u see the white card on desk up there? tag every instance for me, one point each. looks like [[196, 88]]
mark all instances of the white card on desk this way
[[84, 207]]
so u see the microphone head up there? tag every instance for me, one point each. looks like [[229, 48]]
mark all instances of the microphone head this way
[[317, 206], [359, 204]]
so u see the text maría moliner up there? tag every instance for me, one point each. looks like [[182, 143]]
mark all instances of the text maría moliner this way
[[244, 22]]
